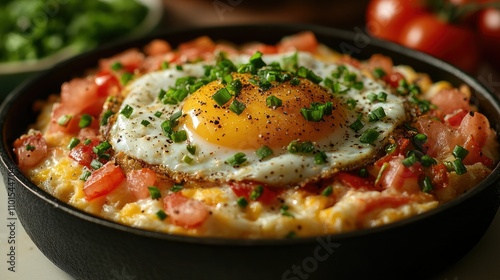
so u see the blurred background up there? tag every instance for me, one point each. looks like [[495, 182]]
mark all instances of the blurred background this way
[[35, 34]]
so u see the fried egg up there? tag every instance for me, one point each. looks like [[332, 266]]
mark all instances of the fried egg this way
[[215, 134]]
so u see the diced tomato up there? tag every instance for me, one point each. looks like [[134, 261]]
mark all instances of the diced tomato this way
[[30, 150], [384, 202], [393, 79], [199, 48], [439, 176], [107, 84], [226, 48], [252, 48], [440, 137], [130, 60], [244, 189], [354, 181], [454, 119], [397, 176], [83, 153], [157, 47], [91, 132], [59, 111], [78, 94], [185, 212], [475, 124], [138, 182], [475, 152], [449, 101], [401, 148], [380, 61], [303, 41], [103, 181], [347, 59]]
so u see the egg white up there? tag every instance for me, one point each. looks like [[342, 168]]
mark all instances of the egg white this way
[[342, 147]]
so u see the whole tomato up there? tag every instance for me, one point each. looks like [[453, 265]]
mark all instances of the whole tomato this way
[[489, 34], [386, 18], [456, 44]]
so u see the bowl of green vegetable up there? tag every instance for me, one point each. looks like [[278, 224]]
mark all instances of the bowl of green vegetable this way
[[36, 34]]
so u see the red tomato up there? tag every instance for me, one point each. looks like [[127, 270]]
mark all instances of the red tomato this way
[[138, 182], [393, 79], [475, 152], [103, 181], [243, 189], [199, 48], [354, 181], [304, 41], [448, 101], [398, 176], [130, 60], [185, 212], [386, 18], [107, 84], [489, 34], [452, 43], [30, 150], [439, 176], [380, 61], [78, 94], [83, 153], [157, 47]]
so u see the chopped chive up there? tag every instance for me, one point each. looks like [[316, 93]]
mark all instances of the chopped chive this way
[[304, 72], [236, 159], [85, 175], [320, 158], [87, 141], [162, 94], [179, 67], [459, 167], [167, 127], [379, 73], [295, 81], [460, 152], [145, 122], [154, 192], [187, 159], [176, 115], [85, 121], [273, 102], [237, 107], [73, 143], [256, 192], [300, 147], [95, 164], [164, 65], [409, 161], [358, 85], [385, 165], [242, 202], [390, 148], [116, 66], [427, 161], [351, 103], [105, 117], [161, 215], [101, 148], [427, 185], [357, 125], [284, 211], [178, 136], [126, 77], [64, 120], [176, 188], [256, 60], [327, 191], [290, 63], [372, 97], [127, 111], [158, 114], [222, 96], [191, 149], [382, 96], [369, 136], [363, 173], [30, 147], [376, 114], [420, 138], [235, 87], [264, 152]]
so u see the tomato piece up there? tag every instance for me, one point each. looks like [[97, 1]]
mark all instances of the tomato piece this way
[[439, 176], [130, 60], [452, 43], [382, 62], [30, 150], [440, 137], [78, 94], [475, 124], [199, 48], [397, 176], [386, 18], [304, 41], [107, 84], [354, 181], [138, 182], [449, 101], [488, 27], [83, 153], [103, 181], [185, 212], [393, 79], [401, 148], [157, 47], [244, 189], [455, 119], [475, 152]]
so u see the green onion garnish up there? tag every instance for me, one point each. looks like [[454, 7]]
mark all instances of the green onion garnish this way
[[127, 111], [95, 164], [327, 191], [308, 74], [409, 161], [357, 125], [116, 66], [145, 122], [237, 107], [235, 87], [295, 81], [101, 148], [126, 77], [178, 136], [460, 152], [187, 159], [236, 159], [176, 188], [154, 192], [87, 141], [158, 114], [376, 114], [105, 117], [427, 185], [369, 136], [161, 215], [85, 121], [30, 147], [222, 96], [256, 192], [256, 60], [191, 149], [427, 161], [73, 143], [273, 101], [64, 120], [284, 211], [363, 173], [85, 175], [264, 152], [320, 157], [379, 73], [300, 147], [459, 167], [242, 202]]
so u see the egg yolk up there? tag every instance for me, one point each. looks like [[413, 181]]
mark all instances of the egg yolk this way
[[258, 124]]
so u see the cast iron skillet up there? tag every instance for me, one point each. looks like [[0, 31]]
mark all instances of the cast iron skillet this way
[[88, 247]]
